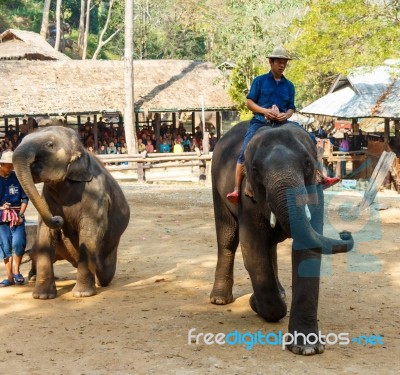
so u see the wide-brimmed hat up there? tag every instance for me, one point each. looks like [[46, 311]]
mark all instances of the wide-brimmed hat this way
[[279, 53], [6, 157]]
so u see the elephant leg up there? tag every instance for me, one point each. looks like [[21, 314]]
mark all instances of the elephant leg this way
[[267, 298], [42, 264], [228, 240], [105, 269], [303, 315], [275, 263], [85, 280], [259, 256]]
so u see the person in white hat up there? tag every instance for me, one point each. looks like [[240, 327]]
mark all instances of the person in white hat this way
[[13, 203], [271, 99]]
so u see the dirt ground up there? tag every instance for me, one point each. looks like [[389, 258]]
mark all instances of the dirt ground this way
[[140, 323]]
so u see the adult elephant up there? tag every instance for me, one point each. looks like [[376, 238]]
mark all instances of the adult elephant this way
[[280, 166], [83, 211]]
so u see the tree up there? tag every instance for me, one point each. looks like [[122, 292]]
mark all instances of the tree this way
[[45, 19], [336, 36], [101, 41], [59, 28], [130, 135], [86, 34], [245, 32], [81, 30]]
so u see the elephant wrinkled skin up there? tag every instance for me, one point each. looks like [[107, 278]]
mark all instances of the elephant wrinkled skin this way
[[280, 172], [83, 211]]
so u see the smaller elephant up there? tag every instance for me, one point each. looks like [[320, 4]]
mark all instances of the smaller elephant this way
[[83, 211]]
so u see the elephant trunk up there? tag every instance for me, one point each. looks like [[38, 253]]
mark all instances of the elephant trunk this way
[[22, 160], [290, 205]]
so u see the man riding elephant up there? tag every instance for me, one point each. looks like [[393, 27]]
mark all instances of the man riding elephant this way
[[271, 99]]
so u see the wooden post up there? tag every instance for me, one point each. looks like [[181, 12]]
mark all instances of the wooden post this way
[[173, 120], [386, 134], [218, 124], [137, 122], [354, 130], [95, 133], [193, 123], [203, 175], [17, 125], [208, 172], [140, 172], [157, 125], [397, 133]]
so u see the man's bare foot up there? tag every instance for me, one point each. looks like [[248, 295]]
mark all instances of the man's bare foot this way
[[233, 197]]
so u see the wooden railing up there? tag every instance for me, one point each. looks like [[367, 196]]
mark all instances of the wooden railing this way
[[140, 163]]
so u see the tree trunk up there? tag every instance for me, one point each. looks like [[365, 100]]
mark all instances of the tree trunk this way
[[58, 26], [45, 19], [81, 30], [87, 26], [101, 42], [130, 135]]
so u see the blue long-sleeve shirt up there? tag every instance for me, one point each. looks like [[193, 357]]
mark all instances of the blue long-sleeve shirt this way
[[11, 191], [266, 91]]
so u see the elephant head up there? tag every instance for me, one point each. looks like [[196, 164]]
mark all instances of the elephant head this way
[[281, 167], [51, 155]]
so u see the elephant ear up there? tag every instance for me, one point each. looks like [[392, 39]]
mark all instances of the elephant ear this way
[[80, 167]]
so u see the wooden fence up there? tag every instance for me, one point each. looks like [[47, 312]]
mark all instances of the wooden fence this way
[[139, 164]]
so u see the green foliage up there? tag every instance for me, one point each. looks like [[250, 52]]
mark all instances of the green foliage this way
[[20, 14], [240, 86], [329, 37], [248, 31], [336, 36]]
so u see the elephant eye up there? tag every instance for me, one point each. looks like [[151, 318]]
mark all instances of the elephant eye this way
[[50, 144]]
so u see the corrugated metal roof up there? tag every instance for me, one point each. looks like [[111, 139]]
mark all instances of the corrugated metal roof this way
[[365, 93]]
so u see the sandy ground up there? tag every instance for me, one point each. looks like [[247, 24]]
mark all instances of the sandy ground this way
[[140, 323]]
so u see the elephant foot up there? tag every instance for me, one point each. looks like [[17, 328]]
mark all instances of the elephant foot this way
[[317, 348], [45, 291], [221, 293], [81, 291], [270, 312]]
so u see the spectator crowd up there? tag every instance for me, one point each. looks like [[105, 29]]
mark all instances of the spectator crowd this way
[[111, 138]]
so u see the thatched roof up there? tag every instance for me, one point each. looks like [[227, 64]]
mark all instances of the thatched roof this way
[[75, 86], [27, 45]]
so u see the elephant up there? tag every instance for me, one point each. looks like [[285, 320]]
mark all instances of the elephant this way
[[280, 173], [83, 211]]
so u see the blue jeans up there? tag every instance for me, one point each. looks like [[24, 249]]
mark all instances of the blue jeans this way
[[12, 240]]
